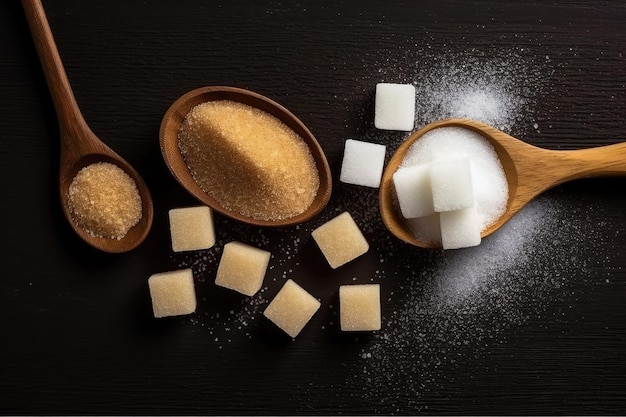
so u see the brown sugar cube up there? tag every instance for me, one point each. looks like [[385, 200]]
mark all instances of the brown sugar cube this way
[[191, 228], [340, 240], [172, 293], [359, 307], [242, 268], [292, 308]]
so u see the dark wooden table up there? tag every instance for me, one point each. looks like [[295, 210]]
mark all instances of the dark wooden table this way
[[533, 321]]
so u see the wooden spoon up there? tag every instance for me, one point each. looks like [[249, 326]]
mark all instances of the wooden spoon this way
[[529, 171], [174, 117], [79, 145]]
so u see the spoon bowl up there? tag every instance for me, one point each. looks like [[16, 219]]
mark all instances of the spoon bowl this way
[[168, 135], [529, 171], [80, 147]]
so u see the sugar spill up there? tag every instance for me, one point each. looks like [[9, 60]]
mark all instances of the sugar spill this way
[[498, 87], [466, 301]]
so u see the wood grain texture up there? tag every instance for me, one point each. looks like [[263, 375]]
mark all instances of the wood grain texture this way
[[530, 322]]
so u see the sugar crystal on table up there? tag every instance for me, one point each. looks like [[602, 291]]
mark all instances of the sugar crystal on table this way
[[451, 184], [359, 307], [460, 228], [292, 308], [172, 293], [394, 107], [340, 240], [412, 185], [242, 268], [363, 163], [191, 228]]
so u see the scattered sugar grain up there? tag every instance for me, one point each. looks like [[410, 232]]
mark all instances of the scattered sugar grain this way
[[463, 302]]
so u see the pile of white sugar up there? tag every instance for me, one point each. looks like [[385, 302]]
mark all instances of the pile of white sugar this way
[[488, 179]]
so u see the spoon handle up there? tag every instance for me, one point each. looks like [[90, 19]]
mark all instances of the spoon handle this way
[[609, 160], [58, 83], [71, 121]]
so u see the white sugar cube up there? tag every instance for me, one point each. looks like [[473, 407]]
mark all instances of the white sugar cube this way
[[191, 228], [359, 307], [292, 308], [363, 163], [242, 268], [394, 107], [451, 183], [172, 293], [340, 240], [460, 228], [413, 190]]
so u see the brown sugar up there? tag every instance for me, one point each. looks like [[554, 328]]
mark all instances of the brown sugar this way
[[248, 160], [104, 200]]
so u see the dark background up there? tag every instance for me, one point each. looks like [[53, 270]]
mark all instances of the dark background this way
[[533, 321]]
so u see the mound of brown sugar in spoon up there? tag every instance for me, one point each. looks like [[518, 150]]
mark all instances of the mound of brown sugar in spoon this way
[[248, 160], [104, 200]]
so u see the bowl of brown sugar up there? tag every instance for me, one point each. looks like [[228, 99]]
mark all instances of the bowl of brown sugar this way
[[245, 156]]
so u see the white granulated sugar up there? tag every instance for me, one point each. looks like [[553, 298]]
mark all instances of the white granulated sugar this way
[[488, 178], [465, 301], [495, 86], [488, 89]]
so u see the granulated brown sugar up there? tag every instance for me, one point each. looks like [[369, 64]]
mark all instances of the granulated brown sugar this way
[[104, 200], [248, 160]]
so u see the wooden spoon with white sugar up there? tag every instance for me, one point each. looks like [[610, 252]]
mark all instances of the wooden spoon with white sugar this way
[[529, 171]]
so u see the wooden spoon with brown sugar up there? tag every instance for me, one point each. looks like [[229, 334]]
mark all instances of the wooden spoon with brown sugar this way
[[529, 171], [79, 145], [175, 117]]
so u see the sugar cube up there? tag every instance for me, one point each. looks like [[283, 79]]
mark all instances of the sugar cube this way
[[394, 107], [191, 228], [242, 268], [460, 228], [173, 293], [451, 183], [412, 185], [340, 240], [359, 307], [363, 163], [292, 308]]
